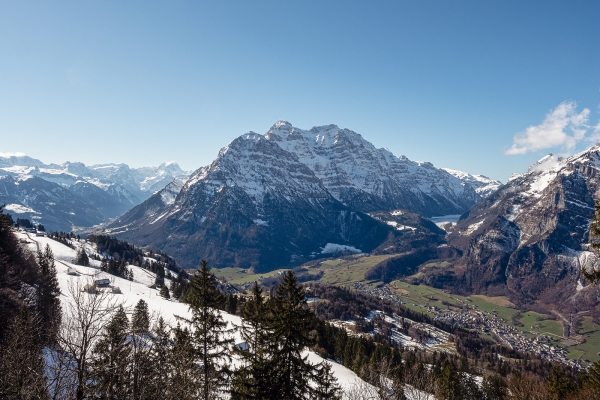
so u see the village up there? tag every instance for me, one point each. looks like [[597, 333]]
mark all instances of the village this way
[[471, 318]]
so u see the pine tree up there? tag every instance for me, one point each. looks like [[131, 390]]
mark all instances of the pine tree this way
[[141, 367], [253, 379], [161, 361], [111, 358], [185, 383], [326, 384], [291, 325], [48, 292], [593, 377], [164, 292], [82, 258], [210, 336], [21, 364]]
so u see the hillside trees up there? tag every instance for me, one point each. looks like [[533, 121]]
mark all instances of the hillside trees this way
[[48, 302], [210, 339]]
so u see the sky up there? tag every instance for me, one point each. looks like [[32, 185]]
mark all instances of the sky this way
[[480, 86]]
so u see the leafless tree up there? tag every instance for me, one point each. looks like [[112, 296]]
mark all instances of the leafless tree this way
[[418, 383], [85, 314], [361, 390]]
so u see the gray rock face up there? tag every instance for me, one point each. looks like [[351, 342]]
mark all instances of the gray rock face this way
[[368, 179], [529, 239], [255, 206]]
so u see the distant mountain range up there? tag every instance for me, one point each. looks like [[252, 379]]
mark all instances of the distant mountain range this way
[[291, 194], [71, 195]]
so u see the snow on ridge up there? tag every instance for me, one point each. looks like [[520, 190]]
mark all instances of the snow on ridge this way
[[331, 248], [19, 209]]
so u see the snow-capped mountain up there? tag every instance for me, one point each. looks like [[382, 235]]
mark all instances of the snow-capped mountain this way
[[368, 179], [483, 185], [529, 239], [94, 194], [256, 206]]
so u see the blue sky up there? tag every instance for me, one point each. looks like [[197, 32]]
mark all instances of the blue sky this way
[[452, 83]]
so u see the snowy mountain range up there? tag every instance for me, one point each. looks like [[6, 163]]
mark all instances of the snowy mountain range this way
[[288, 195], [72, 194], [529, 239]]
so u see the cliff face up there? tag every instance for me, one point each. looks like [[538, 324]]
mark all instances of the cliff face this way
[[530, 238]]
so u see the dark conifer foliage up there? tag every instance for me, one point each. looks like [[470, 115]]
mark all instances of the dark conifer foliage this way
[[291, 324], [210, 336], [111, 359], [48, 293], [253, 379], [81, 258]]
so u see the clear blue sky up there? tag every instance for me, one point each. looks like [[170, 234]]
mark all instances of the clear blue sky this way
[[450, 82]]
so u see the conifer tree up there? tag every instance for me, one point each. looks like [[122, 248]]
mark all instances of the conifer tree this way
[[82, 258], [111, 358], [21, 364], [593, 377], [291, 325], [164, 292], [327, 387], [141, 367], [48, 292], [185, 383], [253, 379], [161, 361], [210, 338]]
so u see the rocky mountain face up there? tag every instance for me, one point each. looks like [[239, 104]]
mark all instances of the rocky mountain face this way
[[529, 239], [255, 206], [483, 185], [71, 195], [365, 178]]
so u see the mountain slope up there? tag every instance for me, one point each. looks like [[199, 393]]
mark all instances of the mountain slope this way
[[255, 206], [529, 239], [366, 178], [483, 185]]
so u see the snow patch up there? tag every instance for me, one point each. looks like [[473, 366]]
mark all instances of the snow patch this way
[[19, 209], [331, 248], [260, 222]]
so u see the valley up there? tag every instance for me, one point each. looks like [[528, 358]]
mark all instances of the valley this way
[[493, 317]]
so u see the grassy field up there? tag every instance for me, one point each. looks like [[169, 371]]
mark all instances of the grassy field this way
[[589, 348], [239, 275], [345, 272], [541, 324]]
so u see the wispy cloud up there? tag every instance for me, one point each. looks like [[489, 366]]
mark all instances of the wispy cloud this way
[[9, 155], [562, 127]]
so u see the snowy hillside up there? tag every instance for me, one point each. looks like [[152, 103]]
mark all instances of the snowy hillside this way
[[133, 291], [483, 185]]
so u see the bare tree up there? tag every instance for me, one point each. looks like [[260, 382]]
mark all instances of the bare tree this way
[[418, 383], [85, 314], [361, 390]]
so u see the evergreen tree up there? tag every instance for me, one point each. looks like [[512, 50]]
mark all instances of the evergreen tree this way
[[231, 304], [291, 325], [141, 368], [327, 387], [82, 258], [140, 321], [159, 281], [21, 363], [48, 302], [210, 336], [593, 377], [558, 383], [111, 359], [164, 292], [253, 379], [185, 383]]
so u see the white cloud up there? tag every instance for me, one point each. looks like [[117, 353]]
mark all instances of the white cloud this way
[[562, 127], [9, 155]]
